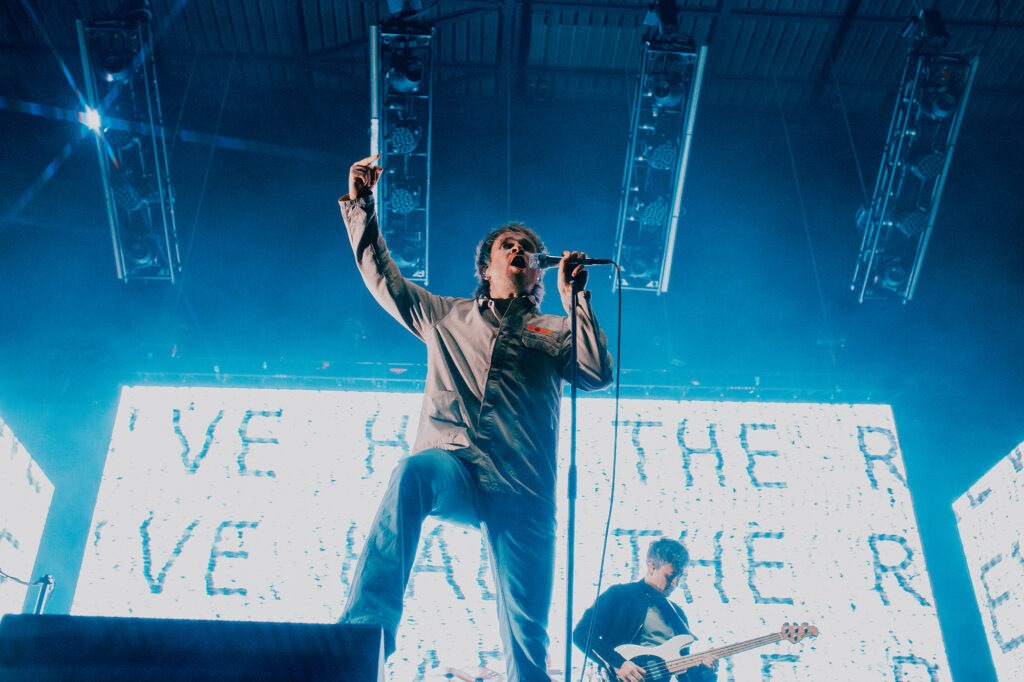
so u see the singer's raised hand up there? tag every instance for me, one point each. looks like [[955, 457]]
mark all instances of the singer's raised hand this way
[[570, 270], [363, 176]]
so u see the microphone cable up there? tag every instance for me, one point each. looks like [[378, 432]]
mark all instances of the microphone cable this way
[[614, 473]]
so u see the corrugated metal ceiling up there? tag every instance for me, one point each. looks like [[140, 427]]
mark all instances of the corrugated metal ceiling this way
[[761, 53]]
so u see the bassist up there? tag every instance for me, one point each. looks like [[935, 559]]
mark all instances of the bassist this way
[[640, 613]]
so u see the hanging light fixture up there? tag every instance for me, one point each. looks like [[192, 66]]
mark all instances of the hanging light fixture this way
[[661, 128], [401, 88], [123, 110], [896, 225]]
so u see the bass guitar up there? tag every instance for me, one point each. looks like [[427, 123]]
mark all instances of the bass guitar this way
[[663, 661]]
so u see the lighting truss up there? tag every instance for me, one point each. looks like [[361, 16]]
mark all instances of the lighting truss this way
[[661, 129], [121, 86], [897, 225], [401, 88]]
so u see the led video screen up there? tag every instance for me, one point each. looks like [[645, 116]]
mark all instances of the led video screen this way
[[253, 504], [988, 516], [25, 496]]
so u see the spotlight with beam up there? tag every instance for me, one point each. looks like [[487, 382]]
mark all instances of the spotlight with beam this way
[[123, 108], [90, 118]]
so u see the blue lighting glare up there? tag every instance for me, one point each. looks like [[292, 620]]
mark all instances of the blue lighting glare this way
[[91, 119]]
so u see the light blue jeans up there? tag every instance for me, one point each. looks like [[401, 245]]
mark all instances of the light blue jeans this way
[[519, 535]]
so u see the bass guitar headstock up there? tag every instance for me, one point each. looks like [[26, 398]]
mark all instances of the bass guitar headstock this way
[[794, 633]]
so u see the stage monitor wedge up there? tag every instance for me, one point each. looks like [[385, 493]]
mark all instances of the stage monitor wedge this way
[[45, 648]]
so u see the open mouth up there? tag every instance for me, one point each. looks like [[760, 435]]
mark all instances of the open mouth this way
[[519, 261]]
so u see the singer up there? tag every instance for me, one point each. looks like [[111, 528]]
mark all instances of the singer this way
[[485, 448]]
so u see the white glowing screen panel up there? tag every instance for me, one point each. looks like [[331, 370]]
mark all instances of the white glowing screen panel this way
[[25, 496], [988, 516], [253, 504]]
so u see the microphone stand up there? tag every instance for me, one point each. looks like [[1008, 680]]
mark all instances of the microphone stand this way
[[571, 490], [45, 586]]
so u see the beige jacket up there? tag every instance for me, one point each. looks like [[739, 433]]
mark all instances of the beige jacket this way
[[494, 383]]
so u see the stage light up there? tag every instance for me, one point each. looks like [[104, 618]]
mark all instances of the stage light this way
[[661, 130], [115, 46], [938, 104], [90, 118], [641, 267], [404, 138], [403, 200], [662, 155], [401, 84], [142, 250], [926, 120], [116, 68], [117, 58], [893, 274], [127, 197], [653, 212], [914, 223], [406, 75], [667, 91], [406, 253], [928, 166]]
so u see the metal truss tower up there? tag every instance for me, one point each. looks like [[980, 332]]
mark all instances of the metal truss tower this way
[[898, 222], [401, 89], [121, 90], [661, 129]]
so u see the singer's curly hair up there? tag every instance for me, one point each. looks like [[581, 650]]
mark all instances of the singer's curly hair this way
[[483, 257], [668, 551]]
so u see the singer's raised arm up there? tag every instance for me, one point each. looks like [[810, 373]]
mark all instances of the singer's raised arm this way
[[486, 446], [412, 305]]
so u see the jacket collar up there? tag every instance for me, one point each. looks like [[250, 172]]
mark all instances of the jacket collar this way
[[484, 301]]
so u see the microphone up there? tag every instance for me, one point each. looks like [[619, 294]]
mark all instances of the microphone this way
[[543, 261]]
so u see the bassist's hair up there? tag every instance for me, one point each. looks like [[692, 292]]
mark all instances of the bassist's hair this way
[[668, 551]]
